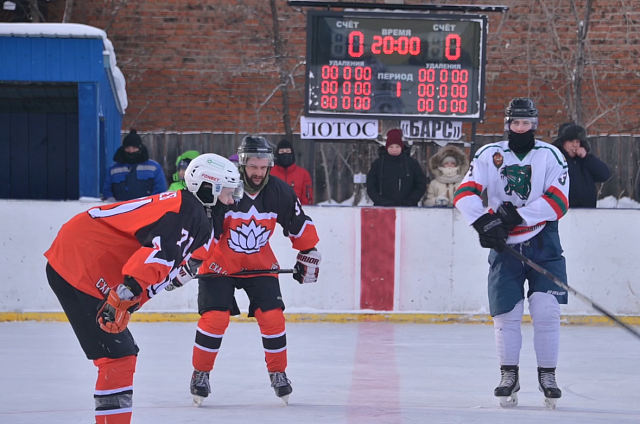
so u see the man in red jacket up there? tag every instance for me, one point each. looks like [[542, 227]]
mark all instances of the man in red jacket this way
[[286, 169]]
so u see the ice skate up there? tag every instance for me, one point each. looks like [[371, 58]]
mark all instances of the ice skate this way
[[281, 385], [200, 387], [508, 387], [548, 386]]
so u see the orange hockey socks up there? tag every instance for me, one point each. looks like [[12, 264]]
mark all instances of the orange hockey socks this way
[[211, 328], [114, 390], [274, 338]]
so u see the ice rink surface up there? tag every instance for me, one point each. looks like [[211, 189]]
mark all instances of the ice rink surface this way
[[365, 373]]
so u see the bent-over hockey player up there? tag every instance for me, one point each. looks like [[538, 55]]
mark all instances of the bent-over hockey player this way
[[244, 245], [527, 186], [106, 262]]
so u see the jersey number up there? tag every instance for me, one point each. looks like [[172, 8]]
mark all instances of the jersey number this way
[[118, 210]]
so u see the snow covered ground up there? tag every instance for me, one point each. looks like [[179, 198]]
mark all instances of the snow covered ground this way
[[367, 373]]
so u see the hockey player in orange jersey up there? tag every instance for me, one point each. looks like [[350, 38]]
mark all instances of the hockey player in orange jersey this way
[[106, 262], [244, 245]]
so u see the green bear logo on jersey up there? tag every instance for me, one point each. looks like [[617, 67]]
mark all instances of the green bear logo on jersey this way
[[518, 180]]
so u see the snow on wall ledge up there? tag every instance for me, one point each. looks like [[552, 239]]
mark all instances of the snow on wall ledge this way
[[433, 261]]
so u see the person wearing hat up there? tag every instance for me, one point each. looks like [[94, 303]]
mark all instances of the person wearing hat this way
[[448, 166], [286, 169], [182, 163], [585, 170], [234, 158], [133, 174], [395, 178]]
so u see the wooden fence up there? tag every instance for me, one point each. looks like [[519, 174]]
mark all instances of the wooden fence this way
[[333, 164]]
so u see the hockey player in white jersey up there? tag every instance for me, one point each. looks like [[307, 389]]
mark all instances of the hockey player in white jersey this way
[[527, 187]]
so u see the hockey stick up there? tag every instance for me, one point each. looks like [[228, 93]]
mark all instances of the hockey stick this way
[[573, 291], [251, 272]]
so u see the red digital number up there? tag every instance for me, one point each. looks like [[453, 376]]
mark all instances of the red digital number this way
[[425, 105], [361, 73], [443, 90], [427, 75], [358, 49], [346, 102], [346, 72], [361, 103], [362, 88], [388, 45], [447, 47], [403, 45], [459, 76], [329, 102], [398, 89], [414, 46], [442, 106], [444, 75], [377, 42], [428, 90], [346, 87]]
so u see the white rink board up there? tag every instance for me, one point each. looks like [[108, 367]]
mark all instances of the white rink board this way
[[440, 266]]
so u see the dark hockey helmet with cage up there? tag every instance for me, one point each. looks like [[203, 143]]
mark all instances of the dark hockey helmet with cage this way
[[254, 146], [521, 107]]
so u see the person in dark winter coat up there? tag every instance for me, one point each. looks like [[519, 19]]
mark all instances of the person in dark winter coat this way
[[133, 174], [286, 169], [584, 168], [395, 178]]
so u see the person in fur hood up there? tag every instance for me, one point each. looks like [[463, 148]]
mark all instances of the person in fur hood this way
[[448, 167]]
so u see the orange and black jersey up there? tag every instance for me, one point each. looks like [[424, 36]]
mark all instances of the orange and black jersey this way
[[243, 241], [146, 238]]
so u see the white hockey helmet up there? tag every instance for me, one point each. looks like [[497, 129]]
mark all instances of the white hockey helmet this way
[[217, 172]]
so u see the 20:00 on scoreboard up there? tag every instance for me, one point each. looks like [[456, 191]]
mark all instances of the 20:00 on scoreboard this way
[[395, 66]]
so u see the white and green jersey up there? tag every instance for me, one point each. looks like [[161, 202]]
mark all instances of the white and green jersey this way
[[536, 183]]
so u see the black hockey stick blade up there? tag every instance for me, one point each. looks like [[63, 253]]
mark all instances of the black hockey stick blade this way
[[573, 291], [251, 272]]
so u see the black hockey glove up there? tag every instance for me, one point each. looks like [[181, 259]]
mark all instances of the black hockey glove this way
[[185, 274], [307, 266], [492, 231], [509, 215]]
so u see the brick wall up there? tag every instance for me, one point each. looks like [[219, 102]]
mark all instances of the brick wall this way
[[209, 64]]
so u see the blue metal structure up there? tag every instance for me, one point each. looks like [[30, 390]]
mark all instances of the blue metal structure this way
[[57, 61]]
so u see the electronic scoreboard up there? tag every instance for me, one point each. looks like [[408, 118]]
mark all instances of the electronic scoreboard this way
[[395, 65]]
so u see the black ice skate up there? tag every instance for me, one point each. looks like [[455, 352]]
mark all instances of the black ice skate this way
[[548, 386], [508, 387], [281, 385], [200, 387]]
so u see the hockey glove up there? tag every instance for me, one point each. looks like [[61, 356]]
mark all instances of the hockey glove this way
[[118, 305], [307, 266], [185, 274], [492, 231], [509, 215]]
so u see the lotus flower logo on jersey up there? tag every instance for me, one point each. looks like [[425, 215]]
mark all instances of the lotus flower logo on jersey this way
[[248, 238]]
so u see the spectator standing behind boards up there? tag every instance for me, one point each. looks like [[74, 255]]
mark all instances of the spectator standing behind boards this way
[[448, 167], [234, 158], [182, 163], [395, 178], [133, 174], [297, 177], [584, 168]]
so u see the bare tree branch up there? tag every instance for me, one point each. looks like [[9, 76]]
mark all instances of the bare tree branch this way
[[68, 10]]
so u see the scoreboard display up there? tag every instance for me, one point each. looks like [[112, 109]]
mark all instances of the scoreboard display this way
[[395, 65]]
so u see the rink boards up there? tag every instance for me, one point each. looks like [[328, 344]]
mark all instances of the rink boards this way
[[379, 264]]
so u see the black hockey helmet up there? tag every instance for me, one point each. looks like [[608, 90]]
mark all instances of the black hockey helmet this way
[[521, 107], [253, 146]]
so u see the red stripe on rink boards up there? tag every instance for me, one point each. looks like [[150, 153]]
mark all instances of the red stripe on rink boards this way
[[377, 252]]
